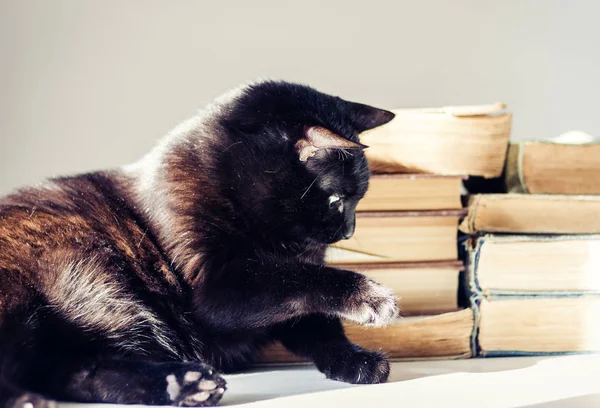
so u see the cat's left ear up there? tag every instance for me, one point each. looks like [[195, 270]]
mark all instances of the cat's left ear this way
[[365, 117], [317, 138]]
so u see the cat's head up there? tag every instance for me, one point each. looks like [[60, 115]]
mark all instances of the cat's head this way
[[296, 164]]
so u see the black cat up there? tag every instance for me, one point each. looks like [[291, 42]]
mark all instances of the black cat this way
[[139, 285]]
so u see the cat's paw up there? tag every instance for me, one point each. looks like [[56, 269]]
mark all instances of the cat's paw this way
[[29, 400], [194, 385], [355, 365], [371, 304]]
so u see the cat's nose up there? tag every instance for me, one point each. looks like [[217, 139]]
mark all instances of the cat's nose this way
[[349, 231]]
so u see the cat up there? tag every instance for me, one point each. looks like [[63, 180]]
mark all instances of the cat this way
[[144, 284]]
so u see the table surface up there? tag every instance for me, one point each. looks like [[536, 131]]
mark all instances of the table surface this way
[[540, 382]]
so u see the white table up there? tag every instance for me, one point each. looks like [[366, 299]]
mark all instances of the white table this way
[[540, 382]]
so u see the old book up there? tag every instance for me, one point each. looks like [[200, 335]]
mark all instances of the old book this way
[[423, 287], [403, 236], [532, 213], [528, 264], [412, 192], [446, 335], [539, 167], [509, 325], [459, 140], [534, 294]]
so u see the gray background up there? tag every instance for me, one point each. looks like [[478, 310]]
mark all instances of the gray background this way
[[92, 84]]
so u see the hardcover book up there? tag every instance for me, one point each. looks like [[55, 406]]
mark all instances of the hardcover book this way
[[544, 167], [532, 213], [458, 140], [412, 192], [534, 294], [402, 236]]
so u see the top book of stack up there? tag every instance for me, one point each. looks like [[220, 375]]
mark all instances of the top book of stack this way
[[458, 140], [547, 167]]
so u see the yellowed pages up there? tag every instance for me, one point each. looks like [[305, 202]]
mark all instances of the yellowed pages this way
[[539, 167], [398, 237], [466, 141], [527, 264], [532, 213], [412, 192], [541, 325]]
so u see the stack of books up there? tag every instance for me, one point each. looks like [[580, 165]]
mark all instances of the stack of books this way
[[406, 233], [533, 254], [406, 238]]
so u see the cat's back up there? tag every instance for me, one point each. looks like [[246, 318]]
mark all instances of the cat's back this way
[[67, 212], [68, 220]]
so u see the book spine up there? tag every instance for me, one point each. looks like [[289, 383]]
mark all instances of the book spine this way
[[468, 225], [514, 178], [474, 295]]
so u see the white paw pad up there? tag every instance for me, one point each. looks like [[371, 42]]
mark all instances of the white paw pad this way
[[195, 388], [191, 376], [173, 387]]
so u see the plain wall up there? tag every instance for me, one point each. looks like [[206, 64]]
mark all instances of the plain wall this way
[[93, 84]]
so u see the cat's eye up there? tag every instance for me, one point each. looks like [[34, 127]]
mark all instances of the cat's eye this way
[[335, 201]]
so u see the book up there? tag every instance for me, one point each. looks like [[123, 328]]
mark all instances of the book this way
[[403, 236], [532, 213], [529, 264], [423, 287], [545, 167], [442, 336], [412, 192], [538, 325], [533, 295], [457, 140]]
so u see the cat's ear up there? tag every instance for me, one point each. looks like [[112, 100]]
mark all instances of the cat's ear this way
[[365, 117], [317, 138]]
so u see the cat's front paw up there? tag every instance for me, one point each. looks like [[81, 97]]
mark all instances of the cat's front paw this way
[[194, 385], [355, 365], [371, 304]]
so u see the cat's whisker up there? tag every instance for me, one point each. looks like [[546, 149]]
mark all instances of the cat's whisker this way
[[311, 184], [327, 169]]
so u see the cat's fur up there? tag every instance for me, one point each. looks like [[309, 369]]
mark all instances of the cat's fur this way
[[139, 285]]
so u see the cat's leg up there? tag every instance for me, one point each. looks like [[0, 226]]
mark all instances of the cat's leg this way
[[102, 380], [120, 382], [253, 296], [321, 339], [139, 382], [53, 360]]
